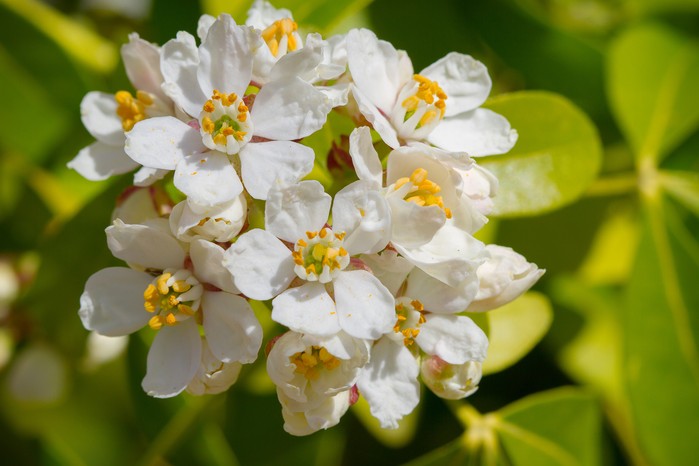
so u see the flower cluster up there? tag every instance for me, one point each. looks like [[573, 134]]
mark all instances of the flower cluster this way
[[372, 286]]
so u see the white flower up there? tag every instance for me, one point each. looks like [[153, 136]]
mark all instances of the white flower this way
[[263, 267], [304, 367], [214, 376], [451, 381], [218, 223], [210, 84], [109, 116], [162, 291], [306, 418], [439, 105], [505, 276]]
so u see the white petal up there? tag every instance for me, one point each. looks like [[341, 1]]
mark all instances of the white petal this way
[[323, 415], [390, 268], [439, 297], [179, 64], [413, 225], [99, 161], [162, 142], [146, 176], [337, 94], [464, 79], [362, 212], [456, 339], [173, 359], [262, 14], [289, 109], [207, 259], [261, 265], [225, 57], [479, 132], [207, 178], [264, 163], [293, 210], [144, 245], [365, 307], [142, 65], [375, 66], [389, 382], [374, 116], [365, 159], [452, 256], [302, 62], [112, 303], [306, 309], [231, 328], [203, 26], [98, 113]]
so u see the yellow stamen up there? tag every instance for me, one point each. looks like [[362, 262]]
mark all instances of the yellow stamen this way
[[155, 322], [273, 35]]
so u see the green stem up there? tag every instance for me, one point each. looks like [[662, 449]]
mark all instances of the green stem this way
[[614, 185]]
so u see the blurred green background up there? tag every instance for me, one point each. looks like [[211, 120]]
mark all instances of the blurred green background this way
[[598, 366]]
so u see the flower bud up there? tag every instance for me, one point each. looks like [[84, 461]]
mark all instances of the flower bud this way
[[503, 278], [450, 381], [213, 376], [218, 223]]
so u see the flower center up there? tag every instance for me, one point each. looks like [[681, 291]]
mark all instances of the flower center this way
[[423, 192], [225, 123], [311, 361], [274, 36], [320, 256], [409, 318], [132, 109], [421, 107], [173, 297]]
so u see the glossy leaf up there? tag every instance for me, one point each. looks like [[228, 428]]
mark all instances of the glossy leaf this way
[[555, 160], [652, 76], [514, 329], [662, 330]]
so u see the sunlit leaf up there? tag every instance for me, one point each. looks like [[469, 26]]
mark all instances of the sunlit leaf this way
[[661, 328], [659, 6], [652, 76], [556, 158], [683, 186], [515, 329]]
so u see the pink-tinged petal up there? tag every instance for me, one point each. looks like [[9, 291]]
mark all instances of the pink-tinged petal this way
[[207, 178], [162, 142], [464, 79], [362, 212], [142, 65], [377, 119], [289, 109], [306, 309], [365, 307], [179, 64], [265, 163], [231, 328], [207, 259], [365, 159], [293, 210], [148, 246], [112, 303], [173, 359], [225, 57], [261, 265], [389, 382], [98, 113], [439, 297], [376, 68], [455, 339], [99, 161], [480, 132]]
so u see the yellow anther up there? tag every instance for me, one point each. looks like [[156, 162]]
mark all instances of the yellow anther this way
[[149, 306], [418, 176], [242, 108], [401, 317], [131, 109], [180, 286], [220, 138], [319, 251], [161, 283], [144, 98], [227, 131], [151, 293], [172, 301], [309, 360], [343, 252], [323, 233], [155, 322], [311, 234], [209, 106], [427, 117], [417, 305], [431, 94], [170, 319], [324, 356], [302, 243], [186, 310], [242, 117], [208, 125], [273, 35], [340, 236]]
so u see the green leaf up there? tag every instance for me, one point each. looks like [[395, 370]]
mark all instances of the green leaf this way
[[661, 328], [559, 427], [652, 77], [515, 329], [555, 160], [658, 6], [683, 186]]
